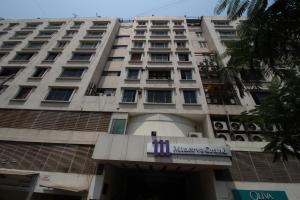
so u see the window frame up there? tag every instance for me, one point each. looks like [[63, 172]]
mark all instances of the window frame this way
[[19, 91], [137, 76], [112, 125], [123, 98], [37, 68], [195, 93], [59, 101], [159, 90], [72, 77]]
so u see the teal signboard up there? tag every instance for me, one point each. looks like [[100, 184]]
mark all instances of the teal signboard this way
[[259, 195]]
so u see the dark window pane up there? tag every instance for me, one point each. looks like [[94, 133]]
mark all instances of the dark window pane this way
[[9, 71], [118, 126], [58, 94], [23, 93], [39, 72], [133, 73], [190, 96], [72, 73], [159, 96], [129, 96]]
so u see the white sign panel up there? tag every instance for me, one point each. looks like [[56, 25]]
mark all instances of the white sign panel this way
[[164, 148]]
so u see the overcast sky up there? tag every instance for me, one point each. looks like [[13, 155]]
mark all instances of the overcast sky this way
[[11, 9]]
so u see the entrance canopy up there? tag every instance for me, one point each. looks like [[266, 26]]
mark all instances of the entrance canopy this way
[[168, 153]]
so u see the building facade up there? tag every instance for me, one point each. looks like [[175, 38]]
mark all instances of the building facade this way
[[101, 108]]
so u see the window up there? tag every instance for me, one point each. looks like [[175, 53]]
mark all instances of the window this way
[[23, 56], [119, 47], [252, 75], [203, 44], [9, 71], [72, 72], [122, 36], [183, 57], [129, 96], [227, 33], [99, 24], [159, 74], [190, 96], [160, 57], [159, 23], [11, 25], [77, 24], [221, 23], [46, 33], [2, 33], [140, 32], [39, 72], [159, 33], [60, 94], [136, 56], [32, 25], [181, 44], [23, 93], [133, 74], [51, 56], [70, 33], [142, 23], [259, 96], [159, 96], [61, 44], [2, 54], [179, 33], [111, 73], [88, 44], [178, 23], [55, 25], [159, 44], [118, 126], [115, 58], [21, 34], [138, 44], [81, 56], [94, 34], [186, 74], [9, 45], [35, 45]]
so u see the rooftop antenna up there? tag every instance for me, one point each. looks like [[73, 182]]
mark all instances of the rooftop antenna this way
[[74, 15]]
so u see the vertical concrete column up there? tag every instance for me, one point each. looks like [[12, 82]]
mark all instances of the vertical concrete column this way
[[96, 187]]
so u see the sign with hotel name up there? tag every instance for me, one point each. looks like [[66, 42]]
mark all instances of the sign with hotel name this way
[[259, 195], [164, 148]]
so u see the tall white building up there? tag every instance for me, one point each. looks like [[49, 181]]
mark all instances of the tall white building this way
[[101, 108]]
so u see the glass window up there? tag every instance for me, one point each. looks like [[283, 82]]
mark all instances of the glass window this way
[[94, 34], [186, 74], [142, 23], [160, 33], [2, 55], [181, 44], [61, 44], [46, 33], [106, 91], [60, 94], [35, 45], [70, 33], [159, 96], [9, 45], [129, 96], [118, 126], [179, 32], [159, 44], [21, 34], [82, 56], [51, 56], [183, 57], [23, 93], [23, 56], [88, 44], [138, 44], [39, 72], [190, 96], [140, 32], [160, 74], [136, 56], [9, 71], [72, 72], [203, 44], [32, 25], [115, 58], [259, 96], [160, 57], [133, 73]]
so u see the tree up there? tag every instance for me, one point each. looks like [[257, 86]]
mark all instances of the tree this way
[[269, 42]]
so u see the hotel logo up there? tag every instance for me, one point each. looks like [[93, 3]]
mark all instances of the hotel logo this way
[[161, 148]]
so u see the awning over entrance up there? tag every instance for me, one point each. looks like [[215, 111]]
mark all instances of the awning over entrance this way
[[131, 151]]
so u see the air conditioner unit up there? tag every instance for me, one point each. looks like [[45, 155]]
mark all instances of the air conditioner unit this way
[[201, 64], [225, 136], [253, 127], [240, 137], [237, 126], [212, 63], [220, 126], [257, 138], [202, 69], [195, 134]]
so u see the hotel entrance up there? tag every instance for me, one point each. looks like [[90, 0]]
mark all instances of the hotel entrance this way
[[138, 184]]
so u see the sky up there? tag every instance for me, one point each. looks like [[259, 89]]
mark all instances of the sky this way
[[127, 9]]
